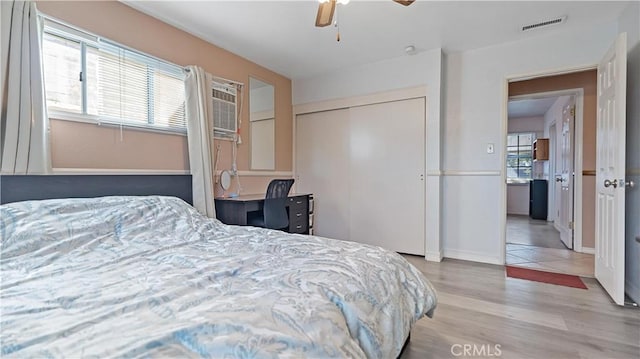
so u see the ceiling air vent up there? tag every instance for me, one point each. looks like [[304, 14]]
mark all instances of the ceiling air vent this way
[[538, 25]]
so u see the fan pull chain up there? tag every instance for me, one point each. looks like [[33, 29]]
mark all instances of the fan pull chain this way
[[337, 26]]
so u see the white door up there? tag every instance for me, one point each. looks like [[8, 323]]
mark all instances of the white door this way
[[322, 168], [610, 169], [387, 152], [565, 222], [556, 176]]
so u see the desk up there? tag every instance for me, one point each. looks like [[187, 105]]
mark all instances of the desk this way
[[235, 210]]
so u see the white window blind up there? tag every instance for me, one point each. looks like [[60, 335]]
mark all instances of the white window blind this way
[[110, 82]]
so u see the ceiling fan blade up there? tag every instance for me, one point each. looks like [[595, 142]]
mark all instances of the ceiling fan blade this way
[[405, 2], [325, 13]]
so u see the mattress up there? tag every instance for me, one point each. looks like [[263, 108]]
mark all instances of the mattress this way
[[150, 276]]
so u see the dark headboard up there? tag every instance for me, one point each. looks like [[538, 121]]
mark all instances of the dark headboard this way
[[22, 188]]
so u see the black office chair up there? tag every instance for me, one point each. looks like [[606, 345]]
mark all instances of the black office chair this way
[[274, 212]]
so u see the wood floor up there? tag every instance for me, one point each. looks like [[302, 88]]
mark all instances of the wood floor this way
[[532, 232], [478, 305]]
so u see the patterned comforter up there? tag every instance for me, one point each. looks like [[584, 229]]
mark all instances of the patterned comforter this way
[[150, 276]]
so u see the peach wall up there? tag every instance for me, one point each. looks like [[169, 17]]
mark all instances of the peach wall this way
[[250, 185], [122, 24], [86, 145], [587, 80]]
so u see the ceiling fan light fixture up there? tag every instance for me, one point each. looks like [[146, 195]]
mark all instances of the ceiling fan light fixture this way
[[405, 2], [325, 13], [327, 8]]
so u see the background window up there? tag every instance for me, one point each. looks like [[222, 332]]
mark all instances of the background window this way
[[520, 156]]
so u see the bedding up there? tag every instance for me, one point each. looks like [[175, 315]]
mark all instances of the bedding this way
[[150, 276]]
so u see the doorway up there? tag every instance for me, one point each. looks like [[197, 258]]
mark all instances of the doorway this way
[[550, 149]]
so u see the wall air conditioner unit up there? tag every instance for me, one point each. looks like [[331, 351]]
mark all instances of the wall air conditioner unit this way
[[225, 121]]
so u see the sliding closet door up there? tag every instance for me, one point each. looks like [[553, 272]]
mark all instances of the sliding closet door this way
[[387, 159], [322, 168]]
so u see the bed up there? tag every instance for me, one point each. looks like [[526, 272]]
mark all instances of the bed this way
[[148, 276]]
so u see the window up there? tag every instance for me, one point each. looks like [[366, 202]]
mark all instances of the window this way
[[519, 156], [92, 78]]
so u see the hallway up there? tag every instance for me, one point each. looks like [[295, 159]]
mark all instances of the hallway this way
[[536, 244], [532, 232]]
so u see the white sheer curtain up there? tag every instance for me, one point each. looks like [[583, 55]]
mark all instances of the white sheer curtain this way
[[24, 138], [199, 111]]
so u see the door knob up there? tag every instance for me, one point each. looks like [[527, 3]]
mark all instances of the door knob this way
[[629, 184], [608, 183], [558, 179]]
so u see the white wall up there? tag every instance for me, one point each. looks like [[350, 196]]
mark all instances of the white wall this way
[[473, 225], [518, 193], [474, 91], [628, 23], [422, 69], [518, 198], [391, 74]]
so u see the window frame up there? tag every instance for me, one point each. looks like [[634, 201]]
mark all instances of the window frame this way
[[86, 39], [519, 180]]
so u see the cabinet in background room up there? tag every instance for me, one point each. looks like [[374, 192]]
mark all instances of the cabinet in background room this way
[[541, 149], [538, 189]]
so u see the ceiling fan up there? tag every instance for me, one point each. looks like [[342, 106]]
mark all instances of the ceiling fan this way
[[328, 7]]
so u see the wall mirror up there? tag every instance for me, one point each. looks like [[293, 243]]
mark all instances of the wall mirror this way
[[263, 125]]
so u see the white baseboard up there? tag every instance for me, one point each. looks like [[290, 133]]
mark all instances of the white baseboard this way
[[472, 256], [518, 213], [287, 174], [470, 173], [433, 256], [632, 290], [588, 250], [114, 171], [128, 171]]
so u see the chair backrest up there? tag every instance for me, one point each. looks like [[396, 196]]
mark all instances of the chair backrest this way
[[279, 188], [275, 204]]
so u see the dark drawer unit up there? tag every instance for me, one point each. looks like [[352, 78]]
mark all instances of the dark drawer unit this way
[[311, 205], [299, 214], [236, 210]]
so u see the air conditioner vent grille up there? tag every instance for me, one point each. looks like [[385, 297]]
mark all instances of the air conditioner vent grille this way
[[538, 25], [225, 119]]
